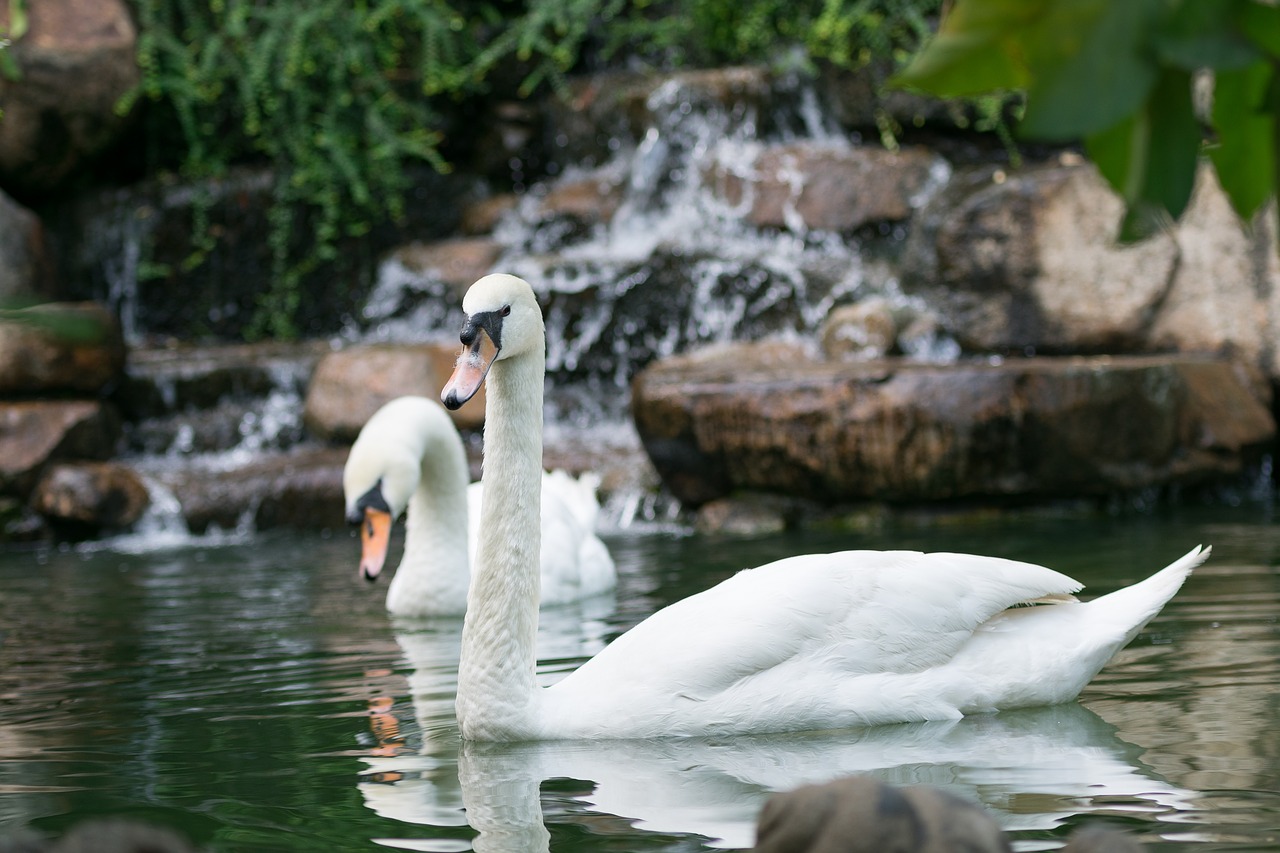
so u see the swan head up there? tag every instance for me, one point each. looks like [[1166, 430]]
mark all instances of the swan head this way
[[503, 320], [378, 481]]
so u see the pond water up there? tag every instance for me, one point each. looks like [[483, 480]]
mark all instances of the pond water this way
[[255, 696]]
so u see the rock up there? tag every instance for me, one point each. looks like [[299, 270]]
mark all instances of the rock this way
[[33, 433], [607, 110], [1225, 292], [1028, 262], [482, 216], [859, 332], [1012, 262], [829, 187], [26, 266], [60, 347], [456, 262], [186, 378], [89, 497], [301, 489], [861, 814], [77, 58], [751, 515], [734, 418], [860, 101], [350, 385], [592, 198]]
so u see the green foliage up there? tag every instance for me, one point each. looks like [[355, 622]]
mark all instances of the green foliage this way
[[1120, 76], [17, 28]]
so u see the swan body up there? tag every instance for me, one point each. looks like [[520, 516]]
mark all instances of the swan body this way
[[409, 456], [810, 642]]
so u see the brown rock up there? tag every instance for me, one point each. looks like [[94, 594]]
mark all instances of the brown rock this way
[[591, 198], [77, 58], [349, 386], [861, 331], [1029, 260], [729, 419], [60, 347], [34, 433], [26, 269], [457, 262], [91, 496], [300, 489], [811, 185], [481, 217], [861, 814]]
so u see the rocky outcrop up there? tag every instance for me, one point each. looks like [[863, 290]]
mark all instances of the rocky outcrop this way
[[76, 59], [60, 347], [1027, 261], [350, 385], [768, 419], [34, 433]]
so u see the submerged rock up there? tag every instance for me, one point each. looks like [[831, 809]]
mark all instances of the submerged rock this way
[[741, 418]]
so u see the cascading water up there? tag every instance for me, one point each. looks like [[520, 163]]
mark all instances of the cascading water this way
[[677, 265]]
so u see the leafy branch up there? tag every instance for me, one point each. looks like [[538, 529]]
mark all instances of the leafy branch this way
[[1122, 77]]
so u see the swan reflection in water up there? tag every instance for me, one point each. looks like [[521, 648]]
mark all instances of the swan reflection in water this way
[[1032, 769]]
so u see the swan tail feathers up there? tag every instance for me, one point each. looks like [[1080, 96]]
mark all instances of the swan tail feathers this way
[[1137, 604]]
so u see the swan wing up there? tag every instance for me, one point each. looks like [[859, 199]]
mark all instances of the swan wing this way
[[833, 616]]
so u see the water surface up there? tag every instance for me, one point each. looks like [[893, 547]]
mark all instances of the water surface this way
[[257, 697]]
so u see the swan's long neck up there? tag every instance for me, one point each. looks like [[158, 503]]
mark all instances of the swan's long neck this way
[[434, 573], [496, 686]]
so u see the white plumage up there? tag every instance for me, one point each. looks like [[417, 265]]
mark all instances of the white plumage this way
[[409, 456], [810, 642]]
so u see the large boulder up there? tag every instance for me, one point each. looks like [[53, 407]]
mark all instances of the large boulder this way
[[60, 347], [1028, 261], [350, 385], [76, 59], [761, 418], [36, 432]]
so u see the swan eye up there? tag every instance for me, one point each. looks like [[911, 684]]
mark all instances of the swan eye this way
[[506, 310]]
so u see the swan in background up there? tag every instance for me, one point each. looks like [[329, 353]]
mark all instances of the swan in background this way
[[409, 456], [812, 642]]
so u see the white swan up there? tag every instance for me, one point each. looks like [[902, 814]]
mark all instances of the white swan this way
[[811, 642], [409, 455]]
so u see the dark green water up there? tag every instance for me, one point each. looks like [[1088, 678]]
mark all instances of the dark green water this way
[[257, 697]]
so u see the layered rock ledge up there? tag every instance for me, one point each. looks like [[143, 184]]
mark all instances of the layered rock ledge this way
[[769, 418]]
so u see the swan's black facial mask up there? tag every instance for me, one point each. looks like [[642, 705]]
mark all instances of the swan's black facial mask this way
[[481, 342]]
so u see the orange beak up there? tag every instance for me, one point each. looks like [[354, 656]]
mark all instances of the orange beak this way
[[473, 365], [375, 536]]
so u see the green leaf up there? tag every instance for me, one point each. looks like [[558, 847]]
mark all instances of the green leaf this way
[[1203, 34], [1120, 153], [1090, 68], [1244, 154], [1150, 157], [1261, 24], [974, 51]]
